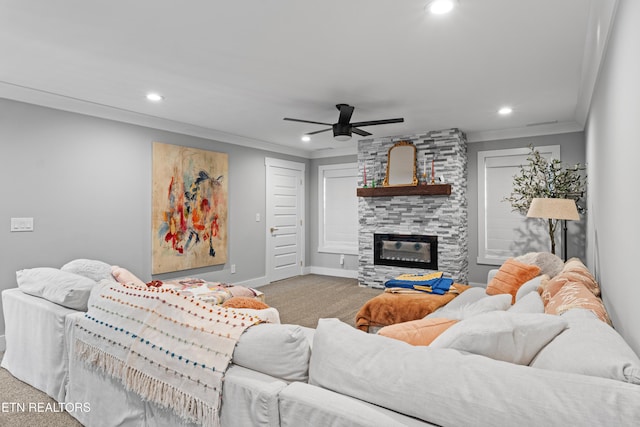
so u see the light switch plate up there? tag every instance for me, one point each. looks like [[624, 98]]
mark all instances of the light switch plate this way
[[21, 224]]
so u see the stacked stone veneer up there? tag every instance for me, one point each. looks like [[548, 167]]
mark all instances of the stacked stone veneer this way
[[442, 216]]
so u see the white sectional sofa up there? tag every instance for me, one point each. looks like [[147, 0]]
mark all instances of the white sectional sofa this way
[[286, 375]]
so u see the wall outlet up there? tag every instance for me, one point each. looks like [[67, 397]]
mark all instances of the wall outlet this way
[[233, 269], [257, 217]]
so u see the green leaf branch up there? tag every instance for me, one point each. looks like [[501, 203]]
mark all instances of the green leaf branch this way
[[547, 178]]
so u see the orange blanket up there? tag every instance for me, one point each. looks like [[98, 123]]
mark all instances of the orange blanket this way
[[390, 308]]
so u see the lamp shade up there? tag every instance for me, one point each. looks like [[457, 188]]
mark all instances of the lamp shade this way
[[553, 209]]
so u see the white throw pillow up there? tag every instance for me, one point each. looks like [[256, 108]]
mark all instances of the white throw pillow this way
[[486, 304], [60, 287], [281, 351], [590, 347], [549, 263], [501, 335], [94, 270], [530, 303], [529, 286]]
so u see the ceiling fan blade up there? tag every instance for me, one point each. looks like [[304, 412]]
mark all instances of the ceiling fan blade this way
[[360, 131], [345, 113], [318, 131], [307, 121], [378, 122]]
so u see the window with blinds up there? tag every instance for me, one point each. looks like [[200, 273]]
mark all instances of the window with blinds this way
[[503, 233], [338, 213]]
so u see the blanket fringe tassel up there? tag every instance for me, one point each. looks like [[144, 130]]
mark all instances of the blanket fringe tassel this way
[[183, 405]]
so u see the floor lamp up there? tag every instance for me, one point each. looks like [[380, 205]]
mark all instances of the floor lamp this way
[[563, 209]]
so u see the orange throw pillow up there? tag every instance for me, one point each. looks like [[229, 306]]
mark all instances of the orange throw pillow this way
[[576, 271], [576, 295], [244, 302], [549, 287], [417, 332], [511, 275]]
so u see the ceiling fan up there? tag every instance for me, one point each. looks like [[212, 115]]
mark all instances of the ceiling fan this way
[[343, 129]]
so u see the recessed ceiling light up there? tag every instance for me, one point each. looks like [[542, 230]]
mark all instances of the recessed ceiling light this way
[[504, 111], [440, 7], [155, 97], [306, 138]]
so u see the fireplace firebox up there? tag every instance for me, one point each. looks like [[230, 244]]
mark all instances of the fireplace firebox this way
[[406, 250]]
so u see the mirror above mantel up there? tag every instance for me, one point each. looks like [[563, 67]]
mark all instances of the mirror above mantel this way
[[401, 165]]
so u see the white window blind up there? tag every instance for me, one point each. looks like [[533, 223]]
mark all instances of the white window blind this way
[[338, 215], [503, 233]]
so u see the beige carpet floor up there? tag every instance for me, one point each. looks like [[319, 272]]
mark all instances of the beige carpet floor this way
[[300, 300]]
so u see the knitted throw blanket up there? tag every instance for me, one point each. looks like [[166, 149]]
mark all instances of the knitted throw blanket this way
[[168, 348]]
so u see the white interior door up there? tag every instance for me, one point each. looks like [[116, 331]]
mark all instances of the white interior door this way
[[285, 213]]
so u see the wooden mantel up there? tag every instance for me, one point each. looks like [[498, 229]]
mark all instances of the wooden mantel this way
[[410, 190]]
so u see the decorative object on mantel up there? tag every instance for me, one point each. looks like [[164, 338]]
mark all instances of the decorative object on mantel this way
[[408, 190], [365, 175], [546, 178], [424, 170], [401, 165], [433, 171]]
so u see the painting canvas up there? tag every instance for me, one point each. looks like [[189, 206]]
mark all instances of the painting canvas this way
[[189, 224]]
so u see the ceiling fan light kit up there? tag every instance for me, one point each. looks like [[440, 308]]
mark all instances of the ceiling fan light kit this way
[[343, 129]]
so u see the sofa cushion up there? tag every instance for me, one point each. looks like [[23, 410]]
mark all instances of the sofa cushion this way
[[281, 351], [510, 276], [501, 335], [530, 303], [417, 332], [445, 387], [483, 305], [93, 269], [590, 347], [61, 287], [576, 295]]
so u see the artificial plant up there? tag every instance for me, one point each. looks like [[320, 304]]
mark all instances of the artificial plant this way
[[547, 178]]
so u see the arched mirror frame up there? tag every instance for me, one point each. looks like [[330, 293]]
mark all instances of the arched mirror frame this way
[[401, 165]]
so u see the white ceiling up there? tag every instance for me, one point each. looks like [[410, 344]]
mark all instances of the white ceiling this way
[[232, 70]]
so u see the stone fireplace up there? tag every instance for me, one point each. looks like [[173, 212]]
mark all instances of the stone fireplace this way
[[443, 217]]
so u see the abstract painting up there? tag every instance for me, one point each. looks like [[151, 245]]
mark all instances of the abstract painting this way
[[189, 223]]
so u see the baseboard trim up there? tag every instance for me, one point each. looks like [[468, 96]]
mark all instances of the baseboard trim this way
[[335, 272], [3, 343]]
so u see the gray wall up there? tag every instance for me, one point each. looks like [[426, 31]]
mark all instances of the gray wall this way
[[613, 150], [326, 262], [572, 151], [87, 184]]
